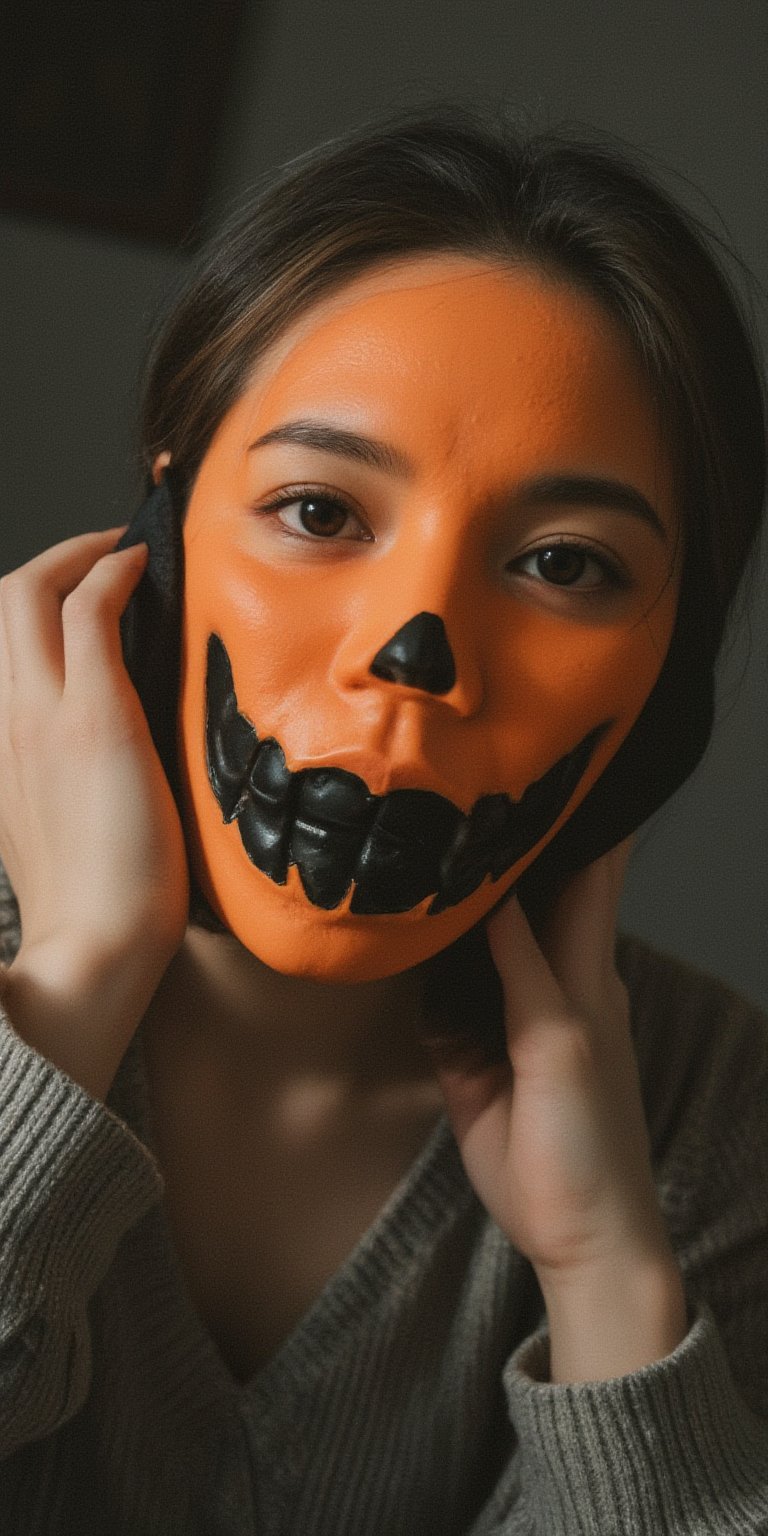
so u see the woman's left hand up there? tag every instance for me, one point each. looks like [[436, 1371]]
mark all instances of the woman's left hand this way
[[554, 1139]]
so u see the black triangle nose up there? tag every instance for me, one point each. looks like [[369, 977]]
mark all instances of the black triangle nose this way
[[419, 656]]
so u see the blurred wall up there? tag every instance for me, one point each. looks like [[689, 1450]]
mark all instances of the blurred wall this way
[[685, 80]]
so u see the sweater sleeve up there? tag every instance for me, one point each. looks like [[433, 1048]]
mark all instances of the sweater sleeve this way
[[680, 1446], [73, 1180]]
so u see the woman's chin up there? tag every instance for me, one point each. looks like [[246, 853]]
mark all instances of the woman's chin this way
[[285, 931]]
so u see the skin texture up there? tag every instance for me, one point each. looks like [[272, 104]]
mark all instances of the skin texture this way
[[484, 378]]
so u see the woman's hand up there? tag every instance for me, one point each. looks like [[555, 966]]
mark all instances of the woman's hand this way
[[554, 1140], [89, 831]]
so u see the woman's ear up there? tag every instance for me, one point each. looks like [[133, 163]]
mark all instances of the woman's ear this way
[[158, 465]]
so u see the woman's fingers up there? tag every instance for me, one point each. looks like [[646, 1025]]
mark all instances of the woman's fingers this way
[[89, 831], [561, 983], [528, 982], [579, 935], [556, 1146], [91, 619], [31, 600], [542, 1028]]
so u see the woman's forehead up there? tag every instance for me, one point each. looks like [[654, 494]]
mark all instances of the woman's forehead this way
[[469, 361], [422, 309]]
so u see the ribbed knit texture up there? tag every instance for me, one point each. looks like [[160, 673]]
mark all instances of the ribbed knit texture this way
[[412, 1399]]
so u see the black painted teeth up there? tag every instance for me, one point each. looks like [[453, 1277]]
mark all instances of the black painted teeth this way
[[396, 849]]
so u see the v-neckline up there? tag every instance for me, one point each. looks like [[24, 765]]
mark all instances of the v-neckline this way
[[430, 1194]]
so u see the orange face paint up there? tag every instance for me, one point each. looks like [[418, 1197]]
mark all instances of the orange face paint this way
[[400, 675]]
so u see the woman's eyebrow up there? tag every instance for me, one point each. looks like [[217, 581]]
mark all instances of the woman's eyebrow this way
[[563, 490], [590, 491], [349, 445]]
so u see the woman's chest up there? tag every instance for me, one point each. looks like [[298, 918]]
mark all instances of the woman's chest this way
[[258, 1246], [262, 1220]]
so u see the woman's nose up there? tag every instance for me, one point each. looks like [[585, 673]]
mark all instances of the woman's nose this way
[[418, 655], [392, 646]]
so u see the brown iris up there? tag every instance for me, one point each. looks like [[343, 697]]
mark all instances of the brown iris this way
[[561, 564], [321, 516]]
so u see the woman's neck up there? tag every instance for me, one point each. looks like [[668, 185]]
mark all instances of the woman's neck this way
[[219, 1000]]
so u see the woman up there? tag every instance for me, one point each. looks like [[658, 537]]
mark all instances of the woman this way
[[357, 1178]]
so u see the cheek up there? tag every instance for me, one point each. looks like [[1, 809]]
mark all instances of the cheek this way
[[557, 680], [610, 671], [598, 659], [281, 630]]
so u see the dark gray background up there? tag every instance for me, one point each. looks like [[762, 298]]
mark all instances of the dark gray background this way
[[684, 79]]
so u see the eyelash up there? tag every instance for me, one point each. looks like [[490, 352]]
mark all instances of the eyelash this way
[[614, 576]]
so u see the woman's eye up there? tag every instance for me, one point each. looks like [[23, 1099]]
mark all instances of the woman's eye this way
[[567, 564], [315, 516]]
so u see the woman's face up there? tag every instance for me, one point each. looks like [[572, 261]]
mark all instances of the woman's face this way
[[430, 582]]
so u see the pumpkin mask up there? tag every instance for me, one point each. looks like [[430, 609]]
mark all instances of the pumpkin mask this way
[[429, 589]]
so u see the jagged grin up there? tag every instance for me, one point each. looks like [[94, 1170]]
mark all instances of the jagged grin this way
[[396, 849]]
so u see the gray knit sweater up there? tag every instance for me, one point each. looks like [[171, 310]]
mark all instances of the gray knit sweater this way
[[413, 1398]]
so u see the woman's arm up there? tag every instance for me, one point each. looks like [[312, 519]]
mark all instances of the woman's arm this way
[[680, 1446], [73, 1180], [642, 1406], [93, 848], [555, 1142]]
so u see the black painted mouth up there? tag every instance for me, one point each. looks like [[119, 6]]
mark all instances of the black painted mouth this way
[[396, 849]]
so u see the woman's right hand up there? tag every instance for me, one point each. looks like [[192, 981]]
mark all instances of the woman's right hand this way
[[89, 830]]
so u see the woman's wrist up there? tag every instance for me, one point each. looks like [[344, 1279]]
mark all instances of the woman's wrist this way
[[614, 1318], [78, 1009]]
